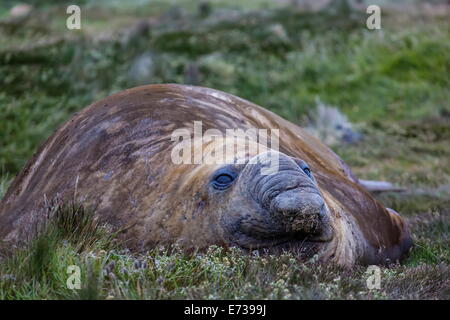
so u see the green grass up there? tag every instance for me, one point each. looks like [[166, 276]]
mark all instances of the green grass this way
[[108, 272], [393, 84]]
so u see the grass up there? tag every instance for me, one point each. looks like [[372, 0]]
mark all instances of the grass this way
[[109, 272], [393, 84]]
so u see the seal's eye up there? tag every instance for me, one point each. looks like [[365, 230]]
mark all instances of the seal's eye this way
[[223, 179], [306, 169], [308, 172]]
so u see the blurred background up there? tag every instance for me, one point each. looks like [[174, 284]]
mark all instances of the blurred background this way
[[379, 98]]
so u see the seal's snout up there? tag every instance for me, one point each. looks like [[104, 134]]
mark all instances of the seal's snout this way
[[299, 211], [289, 207]]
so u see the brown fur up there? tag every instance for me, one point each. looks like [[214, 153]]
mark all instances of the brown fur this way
[[115, 156]]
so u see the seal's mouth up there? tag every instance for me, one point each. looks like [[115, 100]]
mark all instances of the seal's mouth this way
[[271, 233], [304, 244], [303, 248]]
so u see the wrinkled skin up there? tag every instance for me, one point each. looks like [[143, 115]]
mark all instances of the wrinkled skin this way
[[281, 208], [115, 156]]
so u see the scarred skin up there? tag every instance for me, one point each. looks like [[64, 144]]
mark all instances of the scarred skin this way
[[115, 156]]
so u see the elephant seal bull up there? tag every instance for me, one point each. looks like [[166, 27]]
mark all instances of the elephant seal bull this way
[[120, 157]]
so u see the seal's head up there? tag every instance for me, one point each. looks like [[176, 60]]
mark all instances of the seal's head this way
[[271, 201], [264, 200]]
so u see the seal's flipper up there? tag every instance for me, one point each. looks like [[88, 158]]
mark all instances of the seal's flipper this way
[[379, 186]]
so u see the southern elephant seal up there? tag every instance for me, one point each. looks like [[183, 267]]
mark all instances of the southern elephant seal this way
[[119, 156]]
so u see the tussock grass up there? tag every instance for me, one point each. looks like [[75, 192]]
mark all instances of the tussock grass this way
[[4, 182], [40, 265], [77, 225]]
